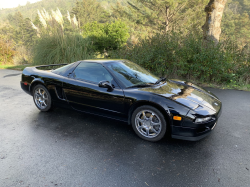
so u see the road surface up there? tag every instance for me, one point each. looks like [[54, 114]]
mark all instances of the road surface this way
[[66, 148]]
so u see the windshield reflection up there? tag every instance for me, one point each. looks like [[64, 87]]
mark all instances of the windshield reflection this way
[[131, 74], [185, 92]]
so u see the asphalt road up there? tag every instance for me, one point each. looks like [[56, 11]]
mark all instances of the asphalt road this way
[[66, 148]]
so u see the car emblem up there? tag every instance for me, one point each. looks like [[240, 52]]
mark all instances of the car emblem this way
[[216, 104]]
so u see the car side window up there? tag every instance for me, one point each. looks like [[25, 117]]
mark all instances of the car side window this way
[[92, 72]]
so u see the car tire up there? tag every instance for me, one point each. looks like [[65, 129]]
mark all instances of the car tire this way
[[149, 123], [42, 98]]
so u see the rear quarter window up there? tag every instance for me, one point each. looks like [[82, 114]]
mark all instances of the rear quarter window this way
[[62, 70]]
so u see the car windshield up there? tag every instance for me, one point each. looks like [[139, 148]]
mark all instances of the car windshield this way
[[131, 74]]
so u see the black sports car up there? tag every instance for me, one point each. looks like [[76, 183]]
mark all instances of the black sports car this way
[[124, 91]]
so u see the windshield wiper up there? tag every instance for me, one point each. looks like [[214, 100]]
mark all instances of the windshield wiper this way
[[160, 80], [139, 85]]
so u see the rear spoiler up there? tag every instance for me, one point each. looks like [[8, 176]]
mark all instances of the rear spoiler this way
[[49, 67]]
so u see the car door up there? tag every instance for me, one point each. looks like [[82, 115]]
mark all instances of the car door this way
[[83, 92]]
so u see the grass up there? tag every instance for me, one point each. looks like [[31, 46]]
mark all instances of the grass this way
[[14, 67], [57, 49], [230, 86]]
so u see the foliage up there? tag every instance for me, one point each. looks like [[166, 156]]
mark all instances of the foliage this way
[[25, 34], [235, 22], [88, 11], [22, 55], [6, 50], [54, 44], [162, 15], [57, 49], [30, 9], [7, 31], [20, 30], [16, 19], [187, 57], [106, 36]]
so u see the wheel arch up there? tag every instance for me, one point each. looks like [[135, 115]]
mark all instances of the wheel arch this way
[[165, 113], [35, 82]]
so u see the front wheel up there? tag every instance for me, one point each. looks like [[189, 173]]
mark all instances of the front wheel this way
[[149, 123], [42, 98]]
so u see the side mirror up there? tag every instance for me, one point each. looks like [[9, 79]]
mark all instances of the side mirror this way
[[106, 84]]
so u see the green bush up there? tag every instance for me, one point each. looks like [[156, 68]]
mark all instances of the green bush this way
[[106, 36], [6, 50], [188, 57], [57, 49]]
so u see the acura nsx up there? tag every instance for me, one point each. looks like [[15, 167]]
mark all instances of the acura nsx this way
[[125, 91]]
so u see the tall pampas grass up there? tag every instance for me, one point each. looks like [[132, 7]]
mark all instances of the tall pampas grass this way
[[42, 19], [68, 17], [55, 45], [36, 28], [54, 22], [75, 22], [57, 16]]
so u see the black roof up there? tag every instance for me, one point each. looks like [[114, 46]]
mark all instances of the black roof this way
[[104, 60]]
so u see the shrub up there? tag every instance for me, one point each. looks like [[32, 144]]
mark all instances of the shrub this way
[[6, 50], [188, 57], [55, 45], [61, 49], [22, 56], [106, 36]]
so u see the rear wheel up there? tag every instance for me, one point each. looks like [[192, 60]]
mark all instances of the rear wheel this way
[[149, 123], [42, 98]]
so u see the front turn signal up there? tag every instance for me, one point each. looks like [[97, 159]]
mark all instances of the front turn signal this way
[[177, 118]]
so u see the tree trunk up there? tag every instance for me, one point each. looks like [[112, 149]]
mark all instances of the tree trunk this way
[[212, 27]]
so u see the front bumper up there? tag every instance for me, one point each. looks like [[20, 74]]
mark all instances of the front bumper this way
[[196, 132], [191, 134]]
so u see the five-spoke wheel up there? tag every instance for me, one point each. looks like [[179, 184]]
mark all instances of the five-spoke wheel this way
[[149, 123], [42, 98]]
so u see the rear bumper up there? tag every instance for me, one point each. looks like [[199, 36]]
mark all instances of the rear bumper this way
[[197, 133], [25, 87]]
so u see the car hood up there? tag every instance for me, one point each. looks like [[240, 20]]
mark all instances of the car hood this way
[[186, 93]]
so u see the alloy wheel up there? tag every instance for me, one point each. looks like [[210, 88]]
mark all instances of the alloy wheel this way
[[41, 98], [148, 123]]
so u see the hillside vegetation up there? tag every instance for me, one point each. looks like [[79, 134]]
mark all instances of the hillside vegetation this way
[[63, 31], [30, 9]]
